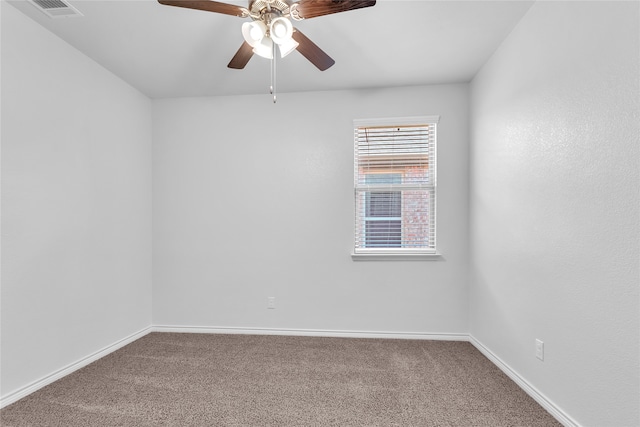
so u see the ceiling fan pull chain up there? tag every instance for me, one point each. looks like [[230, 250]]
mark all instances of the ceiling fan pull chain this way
[[271, 75], [275, 75]]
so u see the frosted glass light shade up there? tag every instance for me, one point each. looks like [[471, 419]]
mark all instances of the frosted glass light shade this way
[[254, 32], [281, 30], [264, 48], [287, 47]]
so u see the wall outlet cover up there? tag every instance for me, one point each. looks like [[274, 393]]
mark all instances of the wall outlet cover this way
[[539, 349]]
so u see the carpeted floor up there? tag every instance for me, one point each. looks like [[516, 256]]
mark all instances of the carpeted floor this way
[[166, 379]]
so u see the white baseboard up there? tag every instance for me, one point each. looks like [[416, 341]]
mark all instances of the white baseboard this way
[[312, 333], [16, 395], [545, 402]]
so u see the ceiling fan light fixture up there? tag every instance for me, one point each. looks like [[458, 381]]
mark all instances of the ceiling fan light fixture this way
[[281, 30], [271, 22], [287, 47], [254, 32], [264, 48]]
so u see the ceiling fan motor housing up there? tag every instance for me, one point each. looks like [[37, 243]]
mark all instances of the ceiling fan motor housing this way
[[275, 7]]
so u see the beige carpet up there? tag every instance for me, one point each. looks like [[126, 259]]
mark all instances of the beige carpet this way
[[166, 379]]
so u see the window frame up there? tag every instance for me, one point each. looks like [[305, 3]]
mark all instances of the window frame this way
[[408, 254]]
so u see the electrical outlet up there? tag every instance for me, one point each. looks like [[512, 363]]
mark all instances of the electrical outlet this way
[[539, 349], [271, 302]]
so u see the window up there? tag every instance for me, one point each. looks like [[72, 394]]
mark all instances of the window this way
[[383, 213], [395, 186]]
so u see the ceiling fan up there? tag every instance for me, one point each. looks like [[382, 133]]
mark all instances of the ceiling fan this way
[[271, 26]]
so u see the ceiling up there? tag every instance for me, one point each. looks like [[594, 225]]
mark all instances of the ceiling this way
[[175, 52]]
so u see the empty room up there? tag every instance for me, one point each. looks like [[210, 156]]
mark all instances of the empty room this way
[[320, 213]]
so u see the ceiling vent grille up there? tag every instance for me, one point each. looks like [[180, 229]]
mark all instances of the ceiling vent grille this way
[[56, 8]]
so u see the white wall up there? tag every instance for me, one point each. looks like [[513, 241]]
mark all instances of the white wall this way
[[76, 205], [555, 206], [252, 200]]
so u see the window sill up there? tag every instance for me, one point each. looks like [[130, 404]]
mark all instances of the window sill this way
[[396, 257]]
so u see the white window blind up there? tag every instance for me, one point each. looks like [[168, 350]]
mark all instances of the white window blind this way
[[395, 185]]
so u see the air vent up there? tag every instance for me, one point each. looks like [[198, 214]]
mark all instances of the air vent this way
[[56, 8]]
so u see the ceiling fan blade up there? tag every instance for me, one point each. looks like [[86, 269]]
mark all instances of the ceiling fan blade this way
[[207, 5], [312, 52], [312, 8], [242, 56]]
